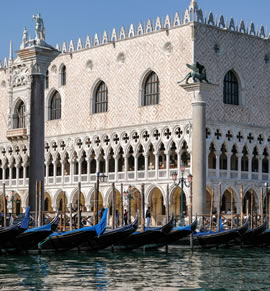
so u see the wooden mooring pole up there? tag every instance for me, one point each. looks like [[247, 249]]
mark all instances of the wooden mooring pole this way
[[168, 203], [241, 205], [5, 205], [79, 205], [70, 217], [40, 204], [142, 208], [211, 209], [113, 206], [219, 200], [251, 208], [36, 205], [231, 209], [64, 220]]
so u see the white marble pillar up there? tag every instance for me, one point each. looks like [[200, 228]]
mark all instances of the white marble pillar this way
[[250, 167], [135, 167], [17, 174], [146, 157], [79, 169], [47, 172], [229, 166], [116, 159], [24, 174], [63, 171], [156, 164], [88, 169], [54, 171], [199, 93], [239, 162], [217, 153], [126, 167], [167, 165], [260, 157], [106, 158]]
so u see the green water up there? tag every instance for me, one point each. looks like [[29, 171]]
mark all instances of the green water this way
[[177, 270]]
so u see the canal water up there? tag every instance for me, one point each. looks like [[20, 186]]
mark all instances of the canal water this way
[[138, 270]]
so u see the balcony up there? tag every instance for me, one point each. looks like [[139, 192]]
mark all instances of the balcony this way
[[17, 134]]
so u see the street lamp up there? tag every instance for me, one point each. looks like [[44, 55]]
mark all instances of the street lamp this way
[[100, 177], [128, 196], [187, 181]]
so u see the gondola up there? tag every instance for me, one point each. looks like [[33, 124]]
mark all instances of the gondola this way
[[63, 241], [144, 238], [9, 234], [263, 239], [109, 237], [210, 239], [250, 237], [29, 239]]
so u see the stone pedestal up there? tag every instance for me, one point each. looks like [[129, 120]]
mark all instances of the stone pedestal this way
[[199, 93]]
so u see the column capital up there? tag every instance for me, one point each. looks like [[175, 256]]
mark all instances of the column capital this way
[[200, 91]]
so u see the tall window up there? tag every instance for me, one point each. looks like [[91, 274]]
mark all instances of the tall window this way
[[230, 89], [151, 90], [101, 98], [19, 116], [63, 76], [55, 107], [47, 80]]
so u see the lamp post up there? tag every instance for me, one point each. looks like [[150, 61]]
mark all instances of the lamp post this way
[[100, 177], [128, 196], [182, 181]]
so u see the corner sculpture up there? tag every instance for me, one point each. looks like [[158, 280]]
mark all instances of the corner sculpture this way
[[40, 29], [198, 73]]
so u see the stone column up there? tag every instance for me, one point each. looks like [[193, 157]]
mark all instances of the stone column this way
[[250, 166], [135, 166], [167, 165], [126, 167], [79, 169], [260, 158], [146, 156], [63, 171], [116, 159], [156, 164], [199, 93], [239, 160], [24, 173], [228, 166], [88, 169], [36, 137], [217, 163]]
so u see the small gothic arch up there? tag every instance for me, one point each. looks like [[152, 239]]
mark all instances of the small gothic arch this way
[[231, 88], [62, 75], [54, 106], [150, 89], [19, 115], [100, 98]]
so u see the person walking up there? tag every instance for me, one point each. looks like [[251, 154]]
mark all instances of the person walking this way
[[148, 217], [126, 217]]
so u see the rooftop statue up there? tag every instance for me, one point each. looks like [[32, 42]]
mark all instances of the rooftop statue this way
[[40, 29], [198, 73]]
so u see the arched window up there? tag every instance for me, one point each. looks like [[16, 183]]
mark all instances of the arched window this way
[[150, 90], [101, 98], [19, 116], [55, 106], [47, 80], [63, 74], [230, 89]]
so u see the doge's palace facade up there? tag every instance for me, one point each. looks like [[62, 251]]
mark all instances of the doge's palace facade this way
[[114, 105]]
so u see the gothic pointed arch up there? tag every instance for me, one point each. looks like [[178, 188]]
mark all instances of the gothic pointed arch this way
[[231, 88], [150, 89], [100, 98], [62, 75], [54, 106], [19, 115]]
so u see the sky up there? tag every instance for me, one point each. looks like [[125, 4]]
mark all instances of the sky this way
[[70, 19]]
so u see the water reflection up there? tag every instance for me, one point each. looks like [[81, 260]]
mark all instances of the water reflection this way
[[177, 270]]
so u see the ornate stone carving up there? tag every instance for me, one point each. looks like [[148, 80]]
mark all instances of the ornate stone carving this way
[[20, 76]]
